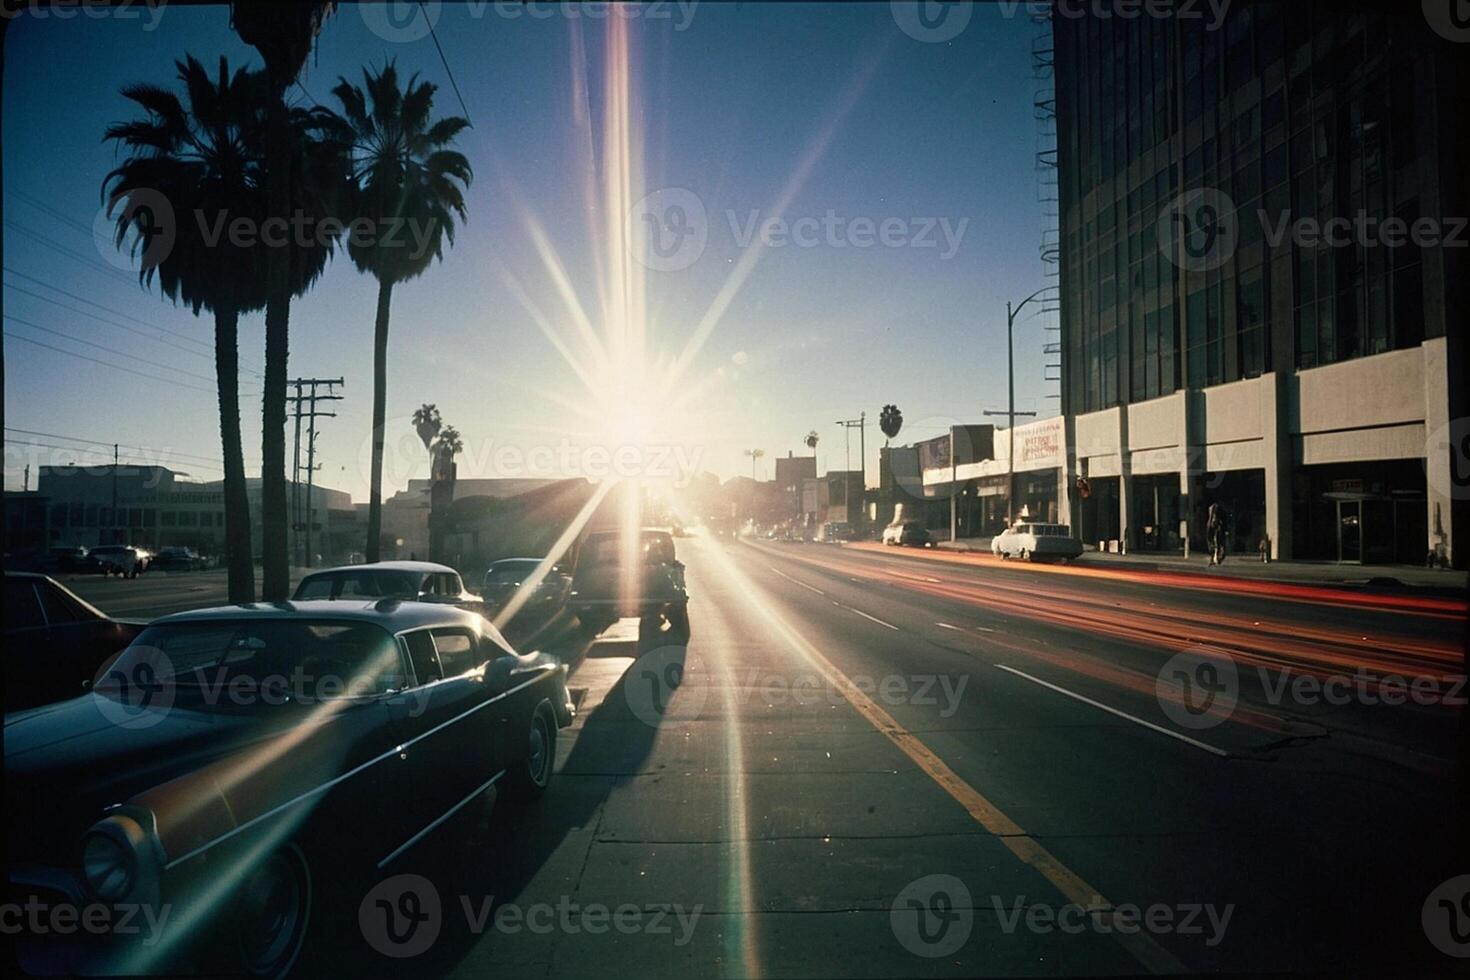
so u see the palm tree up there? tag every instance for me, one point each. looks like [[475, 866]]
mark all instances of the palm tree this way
[[404, 174], [283, 34], [890, 421], [448, 445], [426, 423], [811, 442], [203, 158]]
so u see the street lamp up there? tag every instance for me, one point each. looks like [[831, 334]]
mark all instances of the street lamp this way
[[755, 457], [1010, 413]]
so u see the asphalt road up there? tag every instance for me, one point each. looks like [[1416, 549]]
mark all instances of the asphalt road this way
[[872, 763]]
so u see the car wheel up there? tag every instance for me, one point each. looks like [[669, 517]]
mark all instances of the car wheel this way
[[271, 913], [1025, 555], [531, 775]]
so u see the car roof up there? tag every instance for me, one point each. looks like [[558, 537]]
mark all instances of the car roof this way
[[394, 615], [609, 532], [516, 561], [386, 566]]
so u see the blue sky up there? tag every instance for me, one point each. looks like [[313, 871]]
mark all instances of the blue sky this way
[[728, 98]]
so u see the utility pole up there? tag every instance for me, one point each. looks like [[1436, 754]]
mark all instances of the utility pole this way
[[308, 396], [861, 424], [1010, 411], [114, 495]]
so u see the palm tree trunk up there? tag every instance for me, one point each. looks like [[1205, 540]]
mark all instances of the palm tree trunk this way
[[275, 558], [380, 405], [238, 563]]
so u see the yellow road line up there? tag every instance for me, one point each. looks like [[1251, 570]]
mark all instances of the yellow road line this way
[[1030, 851]]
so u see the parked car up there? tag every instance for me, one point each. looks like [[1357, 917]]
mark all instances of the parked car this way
[[1036, 542], [210, 794], [421, 581], [505, 577], [658, 595], [834, 531], [175, 559], [72, 559], [55, 641], [907, 533], [121, 559]]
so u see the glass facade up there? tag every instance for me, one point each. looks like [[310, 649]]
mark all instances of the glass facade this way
[[1301, 110]]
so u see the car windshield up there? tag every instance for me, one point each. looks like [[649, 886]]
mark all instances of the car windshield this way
[[360, 584], [317, 658], [509, 573]]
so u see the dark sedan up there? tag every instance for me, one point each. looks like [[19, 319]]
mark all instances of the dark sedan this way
[[55, 642], [509, 576], [232, 757]]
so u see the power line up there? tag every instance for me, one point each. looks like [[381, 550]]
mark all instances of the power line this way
[[56, 246], [108, 364], [110, 443], [83, 299], [112, 323], [445, 62], [102, 347]]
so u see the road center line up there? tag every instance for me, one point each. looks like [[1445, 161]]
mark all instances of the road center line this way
[[788, 578], [946, 626], [1121, 714], [873, 618]]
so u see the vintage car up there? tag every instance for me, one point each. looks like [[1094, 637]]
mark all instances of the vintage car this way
[[913, 533], [121, 559], [55, 641], [605, 589], [236, 764], [1036, 542], [423, 581], [506, 577]]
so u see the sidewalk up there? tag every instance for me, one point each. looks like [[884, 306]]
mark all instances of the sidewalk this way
[[1249, 567]]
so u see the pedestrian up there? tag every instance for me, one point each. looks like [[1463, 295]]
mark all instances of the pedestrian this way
[[1265, 549], [1214, 534]]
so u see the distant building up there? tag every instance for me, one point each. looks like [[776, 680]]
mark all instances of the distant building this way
[[791, 470], [155, 507]]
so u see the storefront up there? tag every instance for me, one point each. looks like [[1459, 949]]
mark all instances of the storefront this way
[[1156, 513], [1361, 513]]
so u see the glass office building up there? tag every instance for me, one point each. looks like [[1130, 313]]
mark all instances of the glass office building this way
[[1263, 277]]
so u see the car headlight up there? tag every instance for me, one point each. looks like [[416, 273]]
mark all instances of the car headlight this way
[[110, 852]]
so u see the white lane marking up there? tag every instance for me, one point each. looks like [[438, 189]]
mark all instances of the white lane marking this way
[[946, 626], [873, 618], [788, 578], [1121, 714], [985, 629]]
